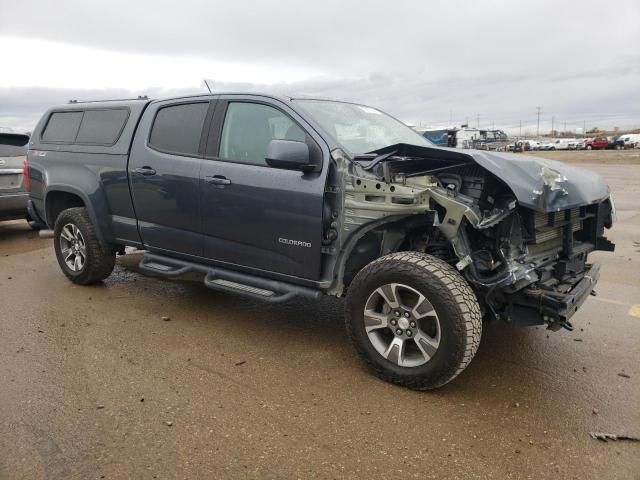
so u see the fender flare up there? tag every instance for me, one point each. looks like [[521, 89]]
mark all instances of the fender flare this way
[[100, 228]]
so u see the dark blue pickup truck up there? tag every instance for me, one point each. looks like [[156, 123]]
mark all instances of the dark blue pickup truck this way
[[277, 197]]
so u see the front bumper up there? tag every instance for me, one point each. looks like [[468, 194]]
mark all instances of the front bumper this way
[[562, 307], [535, 306]]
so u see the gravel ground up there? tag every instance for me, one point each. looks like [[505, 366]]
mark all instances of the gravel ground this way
[[94, 383]]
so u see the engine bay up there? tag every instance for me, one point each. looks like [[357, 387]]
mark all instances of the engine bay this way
[[522, 262]]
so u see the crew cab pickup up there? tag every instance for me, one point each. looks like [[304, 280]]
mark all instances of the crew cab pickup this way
[[597, 143], [276, 197]]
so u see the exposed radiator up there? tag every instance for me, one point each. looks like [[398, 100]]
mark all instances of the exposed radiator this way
[[549, 226]]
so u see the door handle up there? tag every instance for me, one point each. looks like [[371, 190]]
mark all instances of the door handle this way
[[146, 171], [217, 180]]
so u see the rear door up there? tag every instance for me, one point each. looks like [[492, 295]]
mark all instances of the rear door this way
[[253, 215], [164, 171]]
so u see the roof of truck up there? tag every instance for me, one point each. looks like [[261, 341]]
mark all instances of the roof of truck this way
[[100, 104], [110, 103]]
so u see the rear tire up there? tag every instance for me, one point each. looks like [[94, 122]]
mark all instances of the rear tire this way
[[80, 255], [432, 333]]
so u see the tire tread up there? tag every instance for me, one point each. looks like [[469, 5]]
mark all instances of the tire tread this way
[[452, 290], [100, 262]]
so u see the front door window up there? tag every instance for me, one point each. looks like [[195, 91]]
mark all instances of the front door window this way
[[248, 129]]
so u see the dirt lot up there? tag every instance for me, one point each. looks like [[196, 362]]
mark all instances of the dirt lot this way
[[94, 384], [593, 157]]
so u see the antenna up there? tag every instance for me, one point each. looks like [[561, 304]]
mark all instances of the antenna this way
[[206, 83]]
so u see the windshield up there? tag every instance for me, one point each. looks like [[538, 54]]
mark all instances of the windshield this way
[[360, 129]]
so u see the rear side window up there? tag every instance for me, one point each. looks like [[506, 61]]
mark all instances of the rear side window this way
[[102, 127], [62, 127], [90, 127], [177, 128]]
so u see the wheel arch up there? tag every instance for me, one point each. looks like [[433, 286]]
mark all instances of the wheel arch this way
[[61, 197], [391, 232]]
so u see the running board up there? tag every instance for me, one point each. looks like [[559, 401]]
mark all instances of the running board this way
[[227, 280]]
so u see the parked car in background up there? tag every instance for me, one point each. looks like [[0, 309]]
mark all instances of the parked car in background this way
[[13, 191], [630, 140], [545, 145], [561, 144], [615, 142], [597, 143]]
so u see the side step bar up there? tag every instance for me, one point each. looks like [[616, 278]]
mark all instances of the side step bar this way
[[225, 280]]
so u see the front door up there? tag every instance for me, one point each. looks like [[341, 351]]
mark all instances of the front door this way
[[254, 215], [164, 171]]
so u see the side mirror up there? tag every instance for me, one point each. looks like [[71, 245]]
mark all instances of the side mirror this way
[[289, 155]]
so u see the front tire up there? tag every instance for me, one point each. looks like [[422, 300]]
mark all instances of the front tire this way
[[80, 255], [413, 319]]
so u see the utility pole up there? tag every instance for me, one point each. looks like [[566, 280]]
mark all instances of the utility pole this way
[[552, 131], [584, 129], [538, 129], [520, 129], [565, 126]]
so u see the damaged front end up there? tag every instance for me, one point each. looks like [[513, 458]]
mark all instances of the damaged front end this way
[[518, 228]]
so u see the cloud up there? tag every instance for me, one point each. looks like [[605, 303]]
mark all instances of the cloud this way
[[424, 62]]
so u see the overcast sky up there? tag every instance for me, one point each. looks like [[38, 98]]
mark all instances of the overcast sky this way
[[426, 62]]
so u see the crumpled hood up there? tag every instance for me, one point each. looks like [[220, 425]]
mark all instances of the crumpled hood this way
[[537, 183], [544, 184]]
